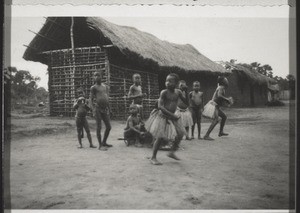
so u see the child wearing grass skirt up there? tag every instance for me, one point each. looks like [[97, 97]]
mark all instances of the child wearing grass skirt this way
[[163, 124]]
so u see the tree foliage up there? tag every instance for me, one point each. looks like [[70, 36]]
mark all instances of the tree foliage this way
[[23, 86]]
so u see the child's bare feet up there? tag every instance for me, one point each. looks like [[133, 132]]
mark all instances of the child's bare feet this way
[[172, 155], [138, 145], [222, 134], [199, 137], [155, 162], [208, 138], [92, 146], [107, 145], [101, 148]]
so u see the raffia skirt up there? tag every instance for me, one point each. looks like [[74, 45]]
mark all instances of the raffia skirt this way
[[185, 117], [210, 110], [162, 127]]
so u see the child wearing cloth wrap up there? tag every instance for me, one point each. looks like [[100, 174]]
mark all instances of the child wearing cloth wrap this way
[[163, 124]]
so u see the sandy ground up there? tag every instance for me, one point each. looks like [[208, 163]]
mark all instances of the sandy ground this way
[[249, 169]]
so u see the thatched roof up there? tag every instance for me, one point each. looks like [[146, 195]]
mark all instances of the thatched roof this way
[[128, 40], [252, 75]]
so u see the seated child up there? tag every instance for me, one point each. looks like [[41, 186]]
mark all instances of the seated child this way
[[81, 122], [135, 129]]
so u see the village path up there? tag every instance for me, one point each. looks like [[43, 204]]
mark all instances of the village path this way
[[249, 169]]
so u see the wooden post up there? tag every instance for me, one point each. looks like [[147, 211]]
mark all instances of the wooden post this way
[[72, 92], [125, 98], [149, 91]]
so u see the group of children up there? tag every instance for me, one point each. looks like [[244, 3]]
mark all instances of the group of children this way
[[176, 111]]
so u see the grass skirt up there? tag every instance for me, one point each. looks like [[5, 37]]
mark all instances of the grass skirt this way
[[162, 127], [185, 117], [210, 110]]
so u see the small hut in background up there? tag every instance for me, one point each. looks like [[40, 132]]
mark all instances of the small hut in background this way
[[247, 87], [75, 47]]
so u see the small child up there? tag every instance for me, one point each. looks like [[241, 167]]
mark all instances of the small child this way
[[182, 109], [135, 128], [101, 109], [81, 122], [164, 124], [196, 106], [135, 93]]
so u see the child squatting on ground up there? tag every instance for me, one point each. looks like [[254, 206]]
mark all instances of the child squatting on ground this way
[[99, 102], [196, 107], [182, 109], [135, 128], [135, 93], [81, 122], [164, 124], [219, 100]]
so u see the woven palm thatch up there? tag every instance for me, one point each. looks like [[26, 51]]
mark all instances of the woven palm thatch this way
[[128, 40], [247, 71]]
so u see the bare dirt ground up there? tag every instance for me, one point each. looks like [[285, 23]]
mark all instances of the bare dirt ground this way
[[249, 169]]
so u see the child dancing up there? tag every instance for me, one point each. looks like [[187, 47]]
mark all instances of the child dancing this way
[[219, 100], [164, 124]]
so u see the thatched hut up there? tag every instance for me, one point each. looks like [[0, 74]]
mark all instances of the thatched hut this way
[[73, 48], [247, 86]]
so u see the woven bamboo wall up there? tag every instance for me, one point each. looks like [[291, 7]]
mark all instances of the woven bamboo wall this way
[[120, 79], [67, 74]]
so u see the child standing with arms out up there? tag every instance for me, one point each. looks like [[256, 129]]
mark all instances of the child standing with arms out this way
[[135, 128], [164, 124], [220, 100], [81, 122], [135, 93], [99, 101], [182, 109], [196, 106]]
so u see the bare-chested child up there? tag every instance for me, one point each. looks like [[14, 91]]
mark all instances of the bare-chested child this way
[[182, 109], [135, 93], [99, 102], [164, 124], [135, 128], [81, 122], [196, 107]]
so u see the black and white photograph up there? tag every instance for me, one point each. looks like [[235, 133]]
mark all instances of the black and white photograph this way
[[150, 107]]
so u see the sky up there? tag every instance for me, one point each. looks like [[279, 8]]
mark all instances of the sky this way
[[263, 40]]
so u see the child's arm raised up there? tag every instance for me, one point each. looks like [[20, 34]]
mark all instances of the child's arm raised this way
[[184, 99], [161, 106], [131, 93], [75, 105]]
